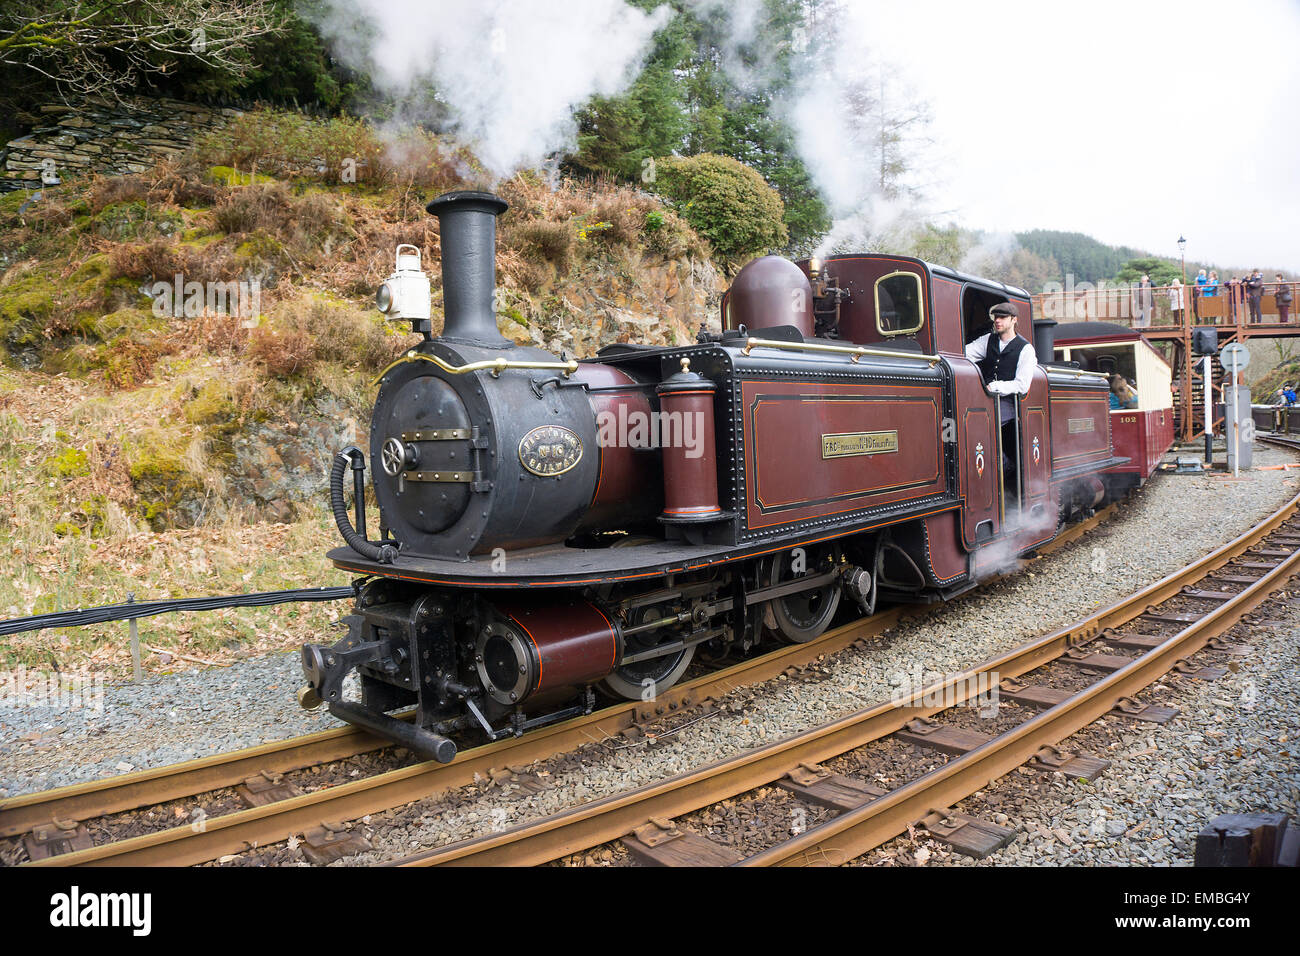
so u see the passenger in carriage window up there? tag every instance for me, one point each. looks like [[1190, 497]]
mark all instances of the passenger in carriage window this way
[[1122, 395]]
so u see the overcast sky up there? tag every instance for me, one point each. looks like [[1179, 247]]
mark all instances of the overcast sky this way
[[1132, 121]]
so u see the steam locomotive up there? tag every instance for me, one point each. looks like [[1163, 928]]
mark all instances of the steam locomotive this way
[[551, 528]]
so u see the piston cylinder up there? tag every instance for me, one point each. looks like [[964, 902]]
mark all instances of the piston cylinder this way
[[689, 448], [534, 646]]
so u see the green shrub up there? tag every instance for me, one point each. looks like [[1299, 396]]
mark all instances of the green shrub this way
[[726, 202]]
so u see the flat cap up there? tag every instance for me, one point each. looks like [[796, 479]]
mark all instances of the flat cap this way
[[1004, 308]]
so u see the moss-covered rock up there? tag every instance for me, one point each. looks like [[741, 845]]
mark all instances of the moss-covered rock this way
[[260, 248], [69, 463], [10, 203], [165, 487], [214, 407], [126, 321], [136, 219], [26, 306], [226, 176]]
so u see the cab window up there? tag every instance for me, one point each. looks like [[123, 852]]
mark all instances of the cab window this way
[[898, 303]]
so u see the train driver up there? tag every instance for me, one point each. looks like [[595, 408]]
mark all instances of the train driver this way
[[1007, 362]]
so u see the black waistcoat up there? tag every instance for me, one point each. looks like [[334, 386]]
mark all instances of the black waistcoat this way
[[999, 361]]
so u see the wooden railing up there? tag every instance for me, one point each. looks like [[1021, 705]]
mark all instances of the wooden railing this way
[[1171, 307]]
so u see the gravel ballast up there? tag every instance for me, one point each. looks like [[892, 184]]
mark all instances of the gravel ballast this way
[[1234, 747], [1171, 522]]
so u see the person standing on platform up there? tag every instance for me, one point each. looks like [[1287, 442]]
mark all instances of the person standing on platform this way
[[1283, 295], [1211, 290], [1254, 288], [1176, 300], [1144, 302], [1197, 292]]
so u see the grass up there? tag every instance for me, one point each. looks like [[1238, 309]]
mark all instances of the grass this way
[[85, 572], [54, 474]]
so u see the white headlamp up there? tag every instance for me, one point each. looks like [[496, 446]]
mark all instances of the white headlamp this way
[[405, 294]]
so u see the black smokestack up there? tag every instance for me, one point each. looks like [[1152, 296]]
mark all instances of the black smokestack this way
[[468, 225], [1045, 340]]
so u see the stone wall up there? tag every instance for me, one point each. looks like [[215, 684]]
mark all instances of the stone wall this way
[[103, 136]]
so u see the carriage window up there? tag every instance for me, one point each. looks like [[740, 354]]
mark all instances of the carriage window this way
[[898, 303], [1109, 359]]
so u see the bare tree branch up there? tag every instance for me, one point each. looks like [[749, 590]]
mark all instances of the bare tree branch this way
[[103, 46]]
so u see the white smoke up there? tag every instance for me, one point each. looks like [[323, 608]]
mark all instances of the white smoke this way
[[747, 51], [849, 105], [511, 72], [1001, 556], [990, 254]]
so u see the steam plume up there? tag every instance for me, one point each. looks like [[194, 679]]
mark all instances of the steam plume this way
[[510, 72]]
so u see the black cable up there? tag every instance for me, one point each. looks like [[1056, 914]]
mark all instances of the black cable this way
[[124, 612]]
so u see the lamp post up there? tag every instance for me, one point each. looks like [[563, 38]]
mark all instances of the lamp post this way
[[1182, 259]]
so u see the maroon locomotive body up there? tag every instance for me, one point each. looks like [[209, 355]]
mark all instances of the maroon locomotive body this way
[[551, 528]]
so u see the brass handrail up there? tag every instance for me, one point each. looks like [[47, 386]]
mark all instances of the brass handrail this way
[[497, 365], [1076, 372], [857, 351], [854, 351]]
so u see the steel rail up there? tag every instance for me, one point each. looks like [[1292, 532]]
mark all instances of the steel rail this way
[[258, 826], [96, 798], [860, 830], [1291, 442], [609, 818], [101, 797]]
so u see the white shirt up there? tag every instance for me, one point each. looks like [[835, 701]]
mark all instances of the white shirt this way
[[1025, 365]]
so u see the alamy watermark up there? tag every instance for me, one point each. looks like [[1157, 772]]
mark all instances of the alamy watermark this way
[[61, 692], [1071, 300], [631, 428], [176, 298], [919, 688]]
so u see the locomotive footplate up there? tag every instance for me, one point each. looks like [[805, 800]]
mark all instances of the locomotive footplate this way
[[559, 566]]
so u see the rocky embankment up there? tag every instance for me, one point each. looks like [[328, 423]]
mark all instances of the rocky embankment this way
[[99, 135]]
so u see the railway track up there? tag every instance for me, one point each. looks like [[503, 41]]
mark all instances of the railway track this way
[[1291, 442], [277, 820], [648, 820], [58, 815]]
